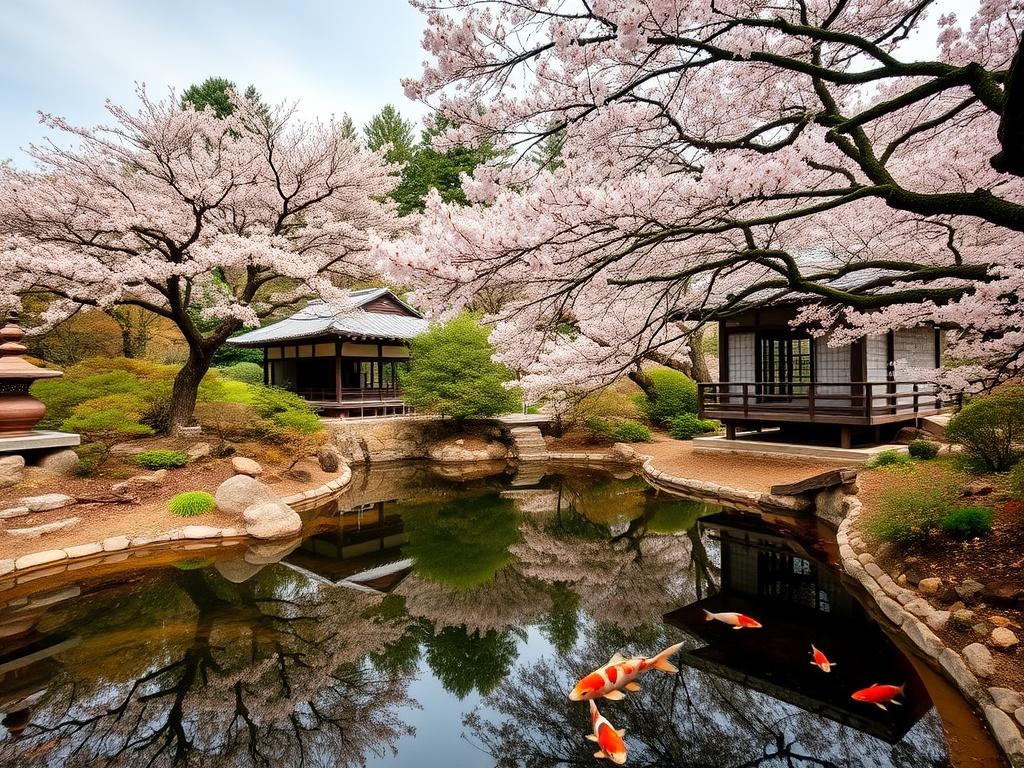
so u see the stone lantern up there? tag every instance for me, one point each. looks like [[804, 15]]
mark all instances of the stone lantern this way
[[19, 411]]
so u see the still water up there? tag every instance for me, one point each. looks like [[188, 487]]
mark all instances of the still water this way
[[430, 619]]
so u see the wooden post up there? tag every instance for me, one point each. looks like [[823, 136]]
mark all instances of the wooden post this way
[[746, 405], [337, 370], [266, 368], [868, 401], [845, 440], [730, 430], [810, 398]]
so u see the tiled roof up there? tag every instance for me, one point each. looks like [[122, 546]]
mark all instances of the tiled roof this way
[[319, 319]]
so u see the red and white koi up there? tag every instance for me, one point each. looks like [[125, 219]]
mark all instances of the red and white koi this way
[[619, 673], [821, 661], [879, 695], [609, 740], [734, 620]]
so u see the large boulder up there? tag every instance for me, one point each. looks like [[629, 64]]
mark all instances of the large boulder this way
[[330, 458], [239, 492], [458, 450], [271, 520], [140, 483], [245, 466], [11, 470], [61, 462]]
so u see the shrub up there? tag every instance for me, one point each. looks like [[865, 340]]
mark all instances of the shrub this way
[[688, 425], [451, 372], [300, 421], [270, 401], [1016, 481], [674, 394], [250, 373], [989, 427], [891, 458], [962, 523], [923, 449], [161, 459], [191, 504], [630, 432], [909, 511], [108, 418]]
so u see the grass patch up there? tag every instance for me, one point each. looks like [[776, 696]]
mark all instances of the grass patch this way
[[192, 504], [890, 459], [161, 459], [963, 523], [923, 449]]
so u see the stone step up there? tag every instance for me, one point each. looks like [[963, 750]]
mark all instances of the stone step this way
[[38, 530]]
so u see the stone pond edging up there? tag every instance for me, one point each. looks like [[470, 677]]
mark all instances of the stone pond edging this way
[[841, 510], [114, 549]]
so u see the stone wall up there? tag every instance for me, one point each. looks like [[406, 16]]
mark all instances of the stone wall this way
[[370, 441]]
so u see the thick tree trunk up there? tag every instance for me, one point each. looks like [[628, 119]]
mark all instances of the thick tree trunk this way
[[186, 389], [698, 364], [639, 377]]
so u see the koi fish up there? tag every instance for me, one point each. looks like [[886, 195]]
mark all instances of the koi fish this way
[[821, 661], [621, 673], [879, 695], [609, 740], [734, 620]]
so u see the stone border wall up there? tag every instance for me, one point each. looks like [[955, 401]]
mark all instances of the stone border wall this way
[[51, 562]]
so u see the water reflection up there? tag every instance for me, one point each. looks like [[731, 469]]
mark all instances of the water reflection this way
[[441, 620]]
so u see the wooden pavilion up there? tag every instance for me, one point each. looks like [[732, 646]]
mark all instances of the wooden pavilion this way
[[344, 362]]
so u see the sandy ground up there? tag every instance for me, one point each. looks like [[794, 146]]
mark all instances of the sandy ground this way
[[148, 515], [676, 457]]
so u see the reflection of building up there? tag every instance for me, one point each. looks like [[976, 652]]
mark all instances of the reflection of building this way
[[360, 548], [799, 601]]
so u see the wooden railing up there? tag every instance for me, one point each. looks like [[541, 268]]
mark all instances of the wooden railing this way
[[354, 395], [852, 402]]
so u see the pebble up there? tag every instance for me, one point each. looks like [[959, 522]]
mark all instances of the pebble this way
[[929, 586], [1002, 637], [962, 619]]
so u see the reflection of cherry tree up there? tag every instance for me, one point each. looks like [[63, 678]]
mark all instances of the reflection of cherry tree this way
[[510, 599], [693, 719], [265, 673], [628, 581]]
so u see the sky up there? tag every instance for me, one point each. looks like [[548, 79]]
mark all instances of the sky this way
[[67, 57]]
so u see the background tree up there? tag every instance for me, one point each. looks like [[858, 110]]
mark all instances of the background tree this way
[[451, 372], [211, 223], [389, 127], [692, 190], [215, 92]]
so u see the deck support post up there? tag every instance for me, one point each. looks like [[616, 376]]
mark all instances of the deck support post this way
[[730, 430], [845, 438]]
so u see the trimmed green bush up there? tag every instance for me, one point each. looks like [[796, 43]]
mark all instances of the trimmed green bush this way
[[300, 421], [688, 425], [989, 427], [250, 373], [962, 523], [108, 418], [674, 394], [192, 504], [630, 432], [890, 458], [161, 459], [1016, 481], [923, 449]]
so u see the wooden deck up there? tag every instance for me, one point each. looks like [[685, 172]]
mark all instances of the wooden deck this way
[[356, 401], [863, 403]]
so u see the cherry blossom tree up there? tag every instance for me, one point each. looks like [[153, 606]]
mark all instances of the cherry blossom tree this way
[[212, 223], [715, 156]]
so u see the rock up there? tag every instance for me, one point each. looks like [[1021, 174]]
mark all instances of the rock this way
[[937, 620], [977, 488], [7, 514], [329, 458], [46, 502], [961, 619], [906, 434], [919, 607], [924, 638], [968, 590], [1003, 594], [115, 543], [929, 586], [200, 532], [1007, 700], [239, 492], [1000, 621], [40, 558], [1003, 637], [456, 452], [625, 452], [828, 505], [1006, 733], [85, 550], [979, 659], [38, 530], [198, 451], [913, 574], [12, 468], [267, 554], [237, 570], [6, 566], [244, 466], [138, 483], [126, 449], [271, 520], [1019, 715], [946, 594], [62, 462], [982, 628], [902, 580]]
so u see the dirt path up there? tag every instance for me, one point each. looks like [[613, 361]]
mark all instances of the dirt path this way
[[751, 473]]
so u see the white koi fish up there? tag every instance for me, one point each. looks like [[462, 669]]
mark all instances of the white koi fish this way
[[621, 673], [734, 620]]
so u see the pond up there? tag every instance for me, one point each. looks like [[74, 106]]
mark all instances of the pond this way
[[431, 618]]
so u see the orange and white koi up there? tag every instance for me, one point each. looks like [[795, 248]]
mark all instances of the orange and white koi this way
[[609, 741], [820, 660], [734, 620], [618, 673], [879, 695]]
